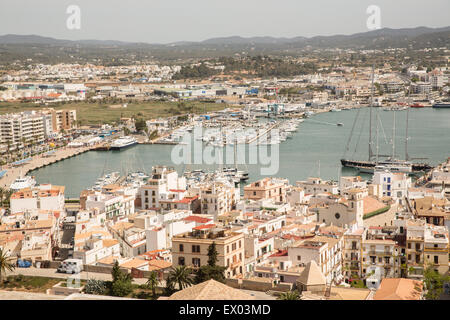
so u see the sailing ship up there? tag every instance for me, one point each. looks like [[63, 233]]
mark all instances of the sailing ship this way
[[391, 163]]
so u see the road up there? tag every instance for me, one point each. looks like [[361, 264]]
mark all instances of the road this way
[[51, 273]]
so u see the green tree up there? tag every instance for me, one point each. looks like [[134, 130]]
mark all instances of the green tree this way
[[116, 273], [153, 282], [180, 275], [5, 264], [140, 124], [212, 254], [289, 295], [211, 270], [434, 283], [121, 287], [126, 131]]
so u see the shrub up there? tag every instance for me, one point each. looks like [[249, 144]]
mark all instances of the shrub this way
[[94, 286], [121, 288]]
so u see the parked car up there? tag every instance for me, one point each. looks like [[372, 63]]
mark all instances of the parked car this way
[[72, 266], [23, 263]]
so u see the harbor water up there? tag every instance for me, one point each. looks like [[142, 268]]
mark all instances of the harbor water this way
[[315, 149]]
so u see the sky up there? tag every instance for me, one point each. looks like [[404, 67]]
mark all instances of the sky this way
[[166, 21]]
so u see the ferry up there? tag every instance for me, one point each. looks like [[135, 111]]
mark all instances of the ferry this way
[[123, 142], [22, 183]]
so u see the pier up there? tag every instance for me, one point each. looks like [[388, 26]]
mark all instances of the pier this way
[[40, 161]]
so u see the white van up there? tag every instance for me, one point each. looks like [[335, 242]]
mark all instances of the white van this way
[[71, 266]]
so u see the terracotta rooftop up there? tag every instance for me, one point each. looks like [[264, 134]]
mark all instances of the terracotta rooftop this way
[[210, 290], [399, 289]]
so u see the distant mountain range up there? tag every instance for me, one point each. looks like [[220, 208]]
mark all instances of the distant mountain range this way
[[356, 39], [420, 37]]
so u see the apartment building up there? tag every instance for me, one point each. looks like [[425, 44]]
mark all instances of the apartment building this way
[[191, 249], [62, 119], [414, 247], [380, 259], [96, 248], [111, 205], [394, 184], [217, 198], [42, 197], [353, 253], [315, 186], [22, 129], [326, 251], [164, 184], [267, 188], [436, 248]]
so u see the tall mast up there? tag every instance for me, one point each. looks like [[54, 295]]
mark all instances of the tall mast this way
[[393, 138], [377, 135], [370, 119], [406, 136]]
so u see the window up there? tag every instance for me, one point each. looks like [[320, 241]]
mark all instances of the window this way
[[181, 248], [196, 248], [239, 244], [299, 258], [196, 262], [181, 261], [337, 215], [233, 246], [436, 259]]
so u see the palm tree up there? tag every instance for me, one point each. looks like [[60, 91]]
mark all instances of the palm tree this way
[[180, 275], [153, 282], [7, 197], [289, 295], [5, 264], [2, 193]]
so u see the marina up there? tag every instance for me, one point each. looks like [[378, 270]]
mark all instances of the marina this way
[[299, 155]]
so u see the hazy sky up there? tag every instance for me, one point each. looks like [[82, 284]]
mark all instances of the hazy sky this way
[[164, 21]]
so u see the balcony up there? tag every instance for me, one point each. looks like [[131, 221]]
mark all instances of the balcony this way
[[235, 264]]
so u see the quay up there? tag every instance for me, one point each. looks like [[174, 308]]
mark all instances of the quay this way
[[40, 161]]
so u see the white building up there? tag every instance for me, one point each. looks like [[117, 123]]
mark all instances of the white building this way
[[43, 197]]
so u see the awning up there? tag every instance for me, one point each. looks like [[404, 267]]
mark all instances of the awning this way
[[20, 162]]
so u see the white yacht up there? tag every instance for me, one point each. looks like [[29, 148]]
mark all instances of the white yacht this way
[[123, 142], [22, 183]]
